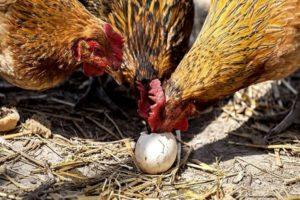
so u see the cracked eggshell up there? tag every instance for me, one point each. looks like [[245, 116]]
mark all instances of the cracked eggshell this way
[[9, 118], [155, 153]]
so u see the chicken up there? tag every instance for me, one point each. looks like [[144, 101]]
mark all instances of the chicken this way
[[156, 35], [97, 90], [42, 42], [242, 43]]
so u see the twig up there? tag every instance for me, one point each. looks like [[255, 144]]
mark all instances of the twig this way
[[277, 158], [261, 127], [10, 157], [233, 116], [71, 175], [261, 169], [62, 102], [293, 197], [81, 130], [185, 185], [2, 169], [44, 186], [103, 127], [9, 196], [276, 146], [32, 97], [16, 183], [15, 135], [292, 180], [288, 86], [94, 110], [65, 166], [206, 195], [53, 115], [9, 146], [202, 166], [277, 94], [115, 125]]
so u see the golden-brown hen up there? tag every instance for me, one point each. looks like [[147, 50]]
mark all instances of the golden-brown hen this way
[[156, 35], [42, 42], [242, 42]]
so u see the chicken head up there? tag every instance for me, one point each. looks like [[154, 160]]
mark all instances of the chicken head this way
[[98, 53], [162, 117]]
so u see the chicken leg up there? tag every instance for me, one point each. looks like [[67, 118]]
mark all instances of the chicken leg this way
[[291, 118], [95, 90]]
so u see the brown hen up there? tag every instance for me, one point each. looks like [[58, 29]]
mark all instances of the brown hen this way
[[42, 42], [242, 42], [156, 35]]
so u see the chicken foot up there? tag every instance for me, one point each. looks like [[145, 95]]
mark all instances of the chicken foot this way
[[291, 118], [96, 91]]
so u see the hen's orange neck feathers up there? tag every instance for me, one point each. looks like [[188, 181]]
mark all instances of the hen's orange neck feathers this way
[[241, 43]]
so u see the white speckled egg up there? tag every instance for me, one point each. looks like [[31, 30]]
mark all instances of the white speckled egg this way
[[155, 153]]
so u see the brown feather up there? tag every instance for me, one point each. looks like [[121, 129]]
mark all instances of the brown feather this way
[[242, 43], [36, 40], [156, 36]]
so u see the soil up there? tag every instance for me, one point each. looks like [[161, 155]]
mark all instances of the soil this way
[[251, 172]]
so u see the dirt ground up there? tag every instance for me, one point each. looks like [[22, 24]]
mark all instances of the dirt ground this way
[[90, 150], [87, 153]]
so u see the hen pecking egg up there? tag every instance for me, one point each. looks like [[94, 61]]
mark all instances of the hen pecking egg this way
[[155, 153]]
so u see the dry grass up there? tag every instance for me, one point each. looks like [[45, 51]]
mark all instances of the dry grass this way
[[57, 152]]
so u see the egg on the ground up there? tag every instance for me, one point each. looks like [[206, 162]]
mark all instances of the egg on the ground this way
[[155, 153], [9, 118]]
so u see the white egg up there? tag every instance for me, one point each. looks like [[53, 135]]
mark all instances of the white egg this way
[[155, 153]]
